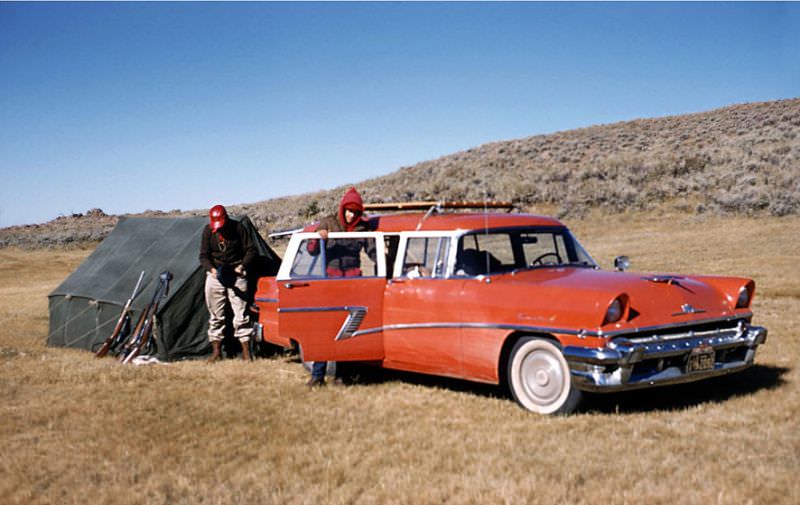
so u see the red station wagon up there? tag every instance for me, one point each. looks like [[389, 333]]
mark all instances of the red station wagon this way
[[505, 298]]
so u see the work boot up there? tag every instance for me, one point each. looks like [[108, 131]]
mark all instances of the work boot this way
[[315, 382], [246, 351], [215, 348]]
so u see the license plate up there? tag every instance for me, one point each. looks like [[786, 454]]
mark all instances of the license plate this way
[[701, 358]]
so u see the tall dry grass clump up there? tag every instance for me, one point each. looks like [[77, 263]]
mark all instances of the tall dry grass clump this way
[[74, 429]]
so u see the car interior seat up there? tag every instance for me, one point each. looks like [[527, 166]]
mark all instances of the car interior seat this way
[[473, 262]]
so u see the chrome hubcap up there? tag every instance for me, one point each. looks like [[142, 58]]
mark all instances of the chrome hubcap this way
[[542, 377]]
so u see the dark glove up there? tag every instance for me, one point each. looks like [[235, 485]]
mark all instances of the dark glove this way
[[226, 276]]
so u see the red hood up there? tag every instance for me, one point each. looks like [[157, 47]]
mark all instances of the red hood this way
[[351, 200], [567, 297]]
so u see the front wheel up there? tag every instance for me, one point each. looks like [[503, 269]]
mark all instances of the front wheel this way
[[539, 378]]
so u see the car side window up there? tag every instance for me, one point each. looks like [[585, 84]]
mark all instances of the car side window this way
[[542, 249], [308, 262], [481, 254], [340, 257], [426, 257], [340, 254], [544, 245]]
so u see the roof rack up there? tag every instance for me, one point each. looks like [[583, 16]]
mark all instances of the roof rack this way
[[438, 205], [285, 233], [430, 208]]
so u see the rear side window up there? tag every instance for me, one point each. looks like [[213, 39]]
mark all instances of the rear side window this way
[[426, 257]]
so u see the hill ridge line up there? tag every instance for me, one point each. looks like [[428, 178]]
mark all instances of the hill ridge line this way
[[741, 159]]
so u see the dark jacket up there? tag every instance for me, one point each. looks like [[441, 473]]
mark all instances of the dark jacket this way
[[230, 246], [345, 253]]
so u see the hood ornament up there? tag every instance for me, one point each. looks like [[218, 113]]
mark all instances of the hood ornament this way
[[687, 308]]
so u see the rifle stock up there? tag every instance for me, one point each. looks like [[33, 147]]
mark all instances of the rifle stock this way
[[116, 336]]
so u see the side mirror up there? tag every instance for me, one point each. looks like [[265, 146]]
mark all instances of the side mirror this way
[[622, 263]]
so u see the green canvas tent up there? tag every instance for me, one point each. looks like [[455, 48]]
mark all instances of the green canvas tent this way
[[87, 305]]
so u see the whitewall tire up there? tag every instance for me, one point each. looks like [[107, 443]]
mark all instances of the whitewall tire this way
[[539, 377]]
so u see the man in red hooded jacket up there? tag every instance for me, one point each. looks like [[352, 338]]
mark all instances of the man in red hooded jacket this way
[[343, 256]]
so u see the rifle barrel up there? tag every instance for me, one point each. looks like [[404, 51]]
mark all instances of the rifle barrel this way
[[144, 327]]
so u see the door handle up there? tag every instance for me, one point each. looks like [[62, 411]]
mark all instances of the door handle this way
[[292, 285]]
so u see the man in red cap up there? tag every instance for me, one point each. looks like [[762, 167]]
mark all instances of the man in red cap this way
[[342, 256], [226, 250]]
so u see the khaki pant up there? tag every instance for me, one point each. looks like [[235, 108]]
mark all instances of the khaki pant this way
[[216, 295]]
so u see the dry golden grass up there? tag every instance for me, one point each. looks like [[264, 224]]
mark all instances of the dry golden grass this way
[[76, 430]]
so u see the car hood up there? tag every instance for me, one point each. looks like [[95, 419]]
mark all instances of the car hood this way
[[569, 297]]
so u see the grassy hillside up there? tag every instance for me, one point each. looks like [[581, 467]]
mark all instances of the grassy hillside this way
[[741, 160], [738, 160]]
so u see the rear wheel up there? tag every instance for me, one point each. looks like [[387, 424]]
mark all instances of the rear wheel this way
[[539, 377]]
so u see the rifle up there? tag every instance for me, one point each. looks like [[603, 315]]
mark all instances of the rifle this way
[[123, 324], [140, 339]]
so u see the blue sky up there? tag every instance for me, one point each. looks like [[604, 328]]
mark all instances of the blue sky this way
[[134, 106]]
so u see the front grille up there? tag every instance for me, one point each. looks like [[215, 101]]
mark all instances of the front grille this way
[[666, 349], [707, 330]]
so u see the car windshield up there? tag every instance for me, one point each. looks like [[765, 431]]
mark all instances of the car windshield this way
[[506, 250]]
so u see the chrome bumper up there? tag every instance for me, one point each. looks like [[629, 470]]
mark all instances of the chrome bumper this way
[[638, 362]]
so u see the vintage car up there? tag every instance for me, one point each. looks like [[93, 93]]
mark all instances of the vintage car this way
[[505, 298]]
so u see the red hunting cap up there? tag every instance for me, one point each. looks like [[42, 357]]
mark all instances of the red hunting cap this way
[[217, 217]]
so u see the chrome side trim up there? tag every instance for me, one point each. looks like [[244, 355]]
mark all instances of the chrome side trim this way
[[545, 329], [312, 309], [355, 316], [354, 319], [353, 331], [267, 300], [427, 326]]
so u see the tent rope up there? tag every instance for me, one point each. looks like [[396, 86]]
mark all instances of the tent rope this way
[[79, 337], [90, 304]]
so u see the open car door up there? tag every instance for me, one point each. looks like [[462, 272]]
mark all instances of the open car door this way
[[325, 310]]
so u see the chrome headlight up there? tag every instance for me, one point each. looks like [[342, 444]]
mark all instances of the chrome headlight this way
[[744, 298], [614, 312]]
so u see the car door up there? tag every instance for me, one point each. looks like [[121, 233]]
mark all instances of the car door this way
[[422, 311], [324, 314]]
